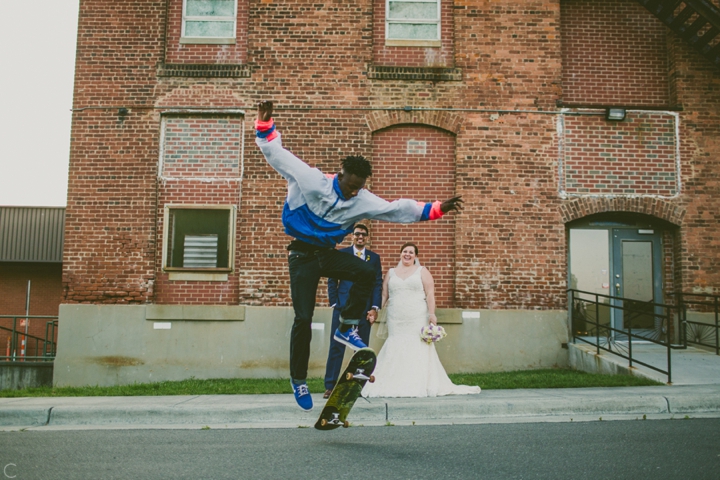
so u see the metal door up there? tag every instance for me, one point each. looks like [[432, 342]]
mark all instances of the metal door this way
[[637, 278]]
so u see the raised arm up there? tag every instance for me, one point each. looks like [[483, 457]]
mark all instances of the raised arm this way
[[309, 179]]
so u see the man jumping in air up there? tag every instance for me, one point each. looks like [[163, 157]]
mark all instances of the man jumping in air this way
[[320, 211]]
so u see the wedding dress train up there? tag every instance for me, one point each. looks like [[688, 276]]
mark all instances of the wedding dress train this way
[[407, 366]]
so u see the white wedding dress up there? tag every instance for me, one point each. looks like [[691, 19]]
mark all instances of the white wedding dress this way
[[407, 366]]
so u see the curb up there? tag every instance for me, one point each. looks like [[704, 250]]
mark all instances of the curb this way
[[277, 410]]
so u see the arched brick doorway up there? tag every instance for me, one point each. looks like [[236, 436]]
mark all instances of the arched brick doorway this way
[[417, 161]]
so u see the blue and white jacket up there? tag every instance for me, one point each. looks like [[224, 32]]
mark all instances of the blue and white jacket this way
[[315, 210]]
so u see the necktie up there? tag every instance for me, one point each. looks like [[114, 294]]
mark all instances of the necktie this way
[[359, 255]]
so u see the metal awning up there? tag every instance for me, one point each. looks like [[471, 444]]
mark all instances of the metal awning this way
[[32, 234]]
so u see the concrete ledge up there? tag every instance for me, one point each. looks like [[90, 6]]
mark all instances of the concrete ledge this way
[[124, 344], [19, 375], [195, 312], [449, 315], [585, 358]]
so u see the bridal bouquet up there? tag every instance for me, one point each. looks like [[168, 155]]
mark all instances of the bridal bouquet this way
[[432, 333]]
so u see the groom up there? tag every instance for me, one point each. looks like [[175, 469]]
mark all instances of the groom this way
[[319, 212], [338, 293]]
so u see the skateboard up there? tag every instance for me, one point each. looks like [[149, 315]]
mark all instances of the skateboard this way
[[347, 390]]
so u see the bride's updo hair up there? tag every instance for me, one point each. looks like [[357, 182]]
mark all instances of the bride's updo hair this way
[[409, 244]]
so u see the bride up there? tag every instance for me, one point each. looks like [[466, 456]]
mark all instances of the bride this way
[[407, 366]]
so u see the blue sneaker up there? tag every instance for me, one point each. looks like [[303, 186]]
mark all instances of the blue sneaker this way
[[350, 339], [302, 396]]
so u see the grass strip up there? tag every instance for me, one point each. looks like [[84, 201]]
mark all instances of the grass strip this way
[[549, 378]]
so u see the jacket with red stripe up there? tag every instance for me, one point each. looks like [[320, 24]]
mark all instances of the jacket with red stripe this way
[[315, 210]]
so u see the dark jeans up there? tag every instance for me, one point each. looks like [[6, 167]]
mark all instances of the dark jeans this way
[[306, 269]]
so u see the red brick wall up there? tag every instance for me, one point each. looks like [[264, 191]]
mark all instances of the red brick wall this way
[[427, 177], [197, 147], [634, 157], [614, 53], [111, 211], [510, 53], [509, 242], [695, 80], [200, 166], [110, 217], [45, 297]]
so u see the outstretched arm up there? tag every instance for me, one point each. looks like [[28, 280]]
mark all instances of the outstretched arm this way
[[438, 208]]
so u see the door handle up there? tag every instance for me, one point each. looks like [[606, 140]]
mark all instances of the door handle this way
[[617, 288]]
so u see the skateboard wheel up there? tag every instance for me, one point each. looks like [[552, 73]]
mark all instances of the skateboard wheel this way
[[349, 376], [323, 422], [346, 424], [372, 378]]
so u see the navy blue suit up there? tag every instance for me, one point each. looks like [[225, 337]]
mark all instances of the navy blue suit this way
[[338, 293]]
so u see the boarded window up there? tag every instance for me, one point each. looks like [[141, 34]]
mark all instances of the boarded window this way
[[198, 238]]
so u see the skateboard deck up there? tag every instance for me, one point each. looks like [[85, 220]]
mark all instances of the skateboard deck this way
[[347, 390]]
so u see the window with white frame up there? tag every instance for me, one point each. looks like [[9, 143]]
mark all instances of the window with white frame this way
[[412, 22], [209, 21], [198, 238]]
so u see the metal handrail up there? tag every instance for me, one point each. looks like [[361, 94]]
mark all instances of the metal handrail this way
[[666, 317], [701, 330], [49, 345]]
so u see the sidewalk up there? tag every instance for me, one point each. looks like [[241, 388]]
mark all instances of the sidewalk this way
[[695, 393], [262, 411]]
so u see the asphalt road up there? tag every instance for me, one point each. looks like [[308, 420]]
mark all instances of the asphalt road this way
[[638, 449]]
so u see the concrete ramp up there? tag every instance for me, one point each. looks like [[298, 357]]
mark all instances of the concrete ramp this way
[[690, 366]]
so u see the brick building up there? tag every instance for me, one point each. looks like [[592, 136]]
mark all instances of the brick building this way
[[31, 249], [174, 260]]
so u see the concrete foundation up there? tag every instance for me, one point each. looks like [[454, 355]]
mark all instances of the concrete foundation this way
[[125, 344], [19, 375], [585, 358]]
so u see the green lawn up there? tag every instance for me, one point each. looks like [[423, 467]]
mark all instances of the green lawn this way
[[551, 378]]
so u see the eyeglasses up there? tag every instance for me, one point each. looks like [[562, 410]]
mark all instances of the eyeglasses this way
[[360, 234]]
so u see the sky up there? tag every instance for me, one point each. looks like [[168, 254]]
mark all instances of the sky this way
[[37, 54]]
